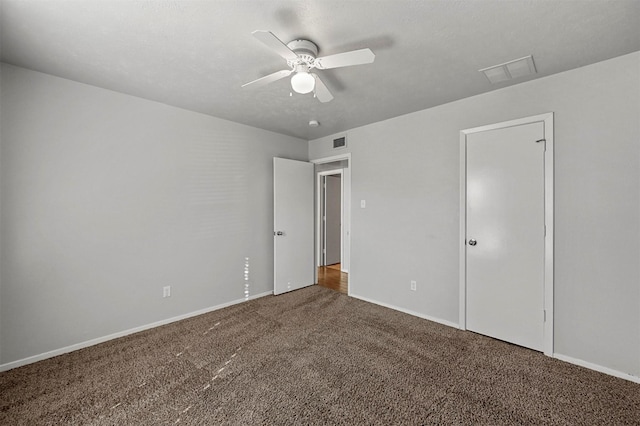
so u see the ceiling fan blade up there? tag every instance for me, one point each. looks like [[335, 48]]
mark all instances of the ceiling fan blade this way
[[275, 44], [268, 78], [322, 93], [346, 59]]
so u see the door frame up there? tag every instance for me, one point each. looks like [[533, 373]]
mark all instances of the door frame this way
[[321, 201], [345, 254], [547, 120]]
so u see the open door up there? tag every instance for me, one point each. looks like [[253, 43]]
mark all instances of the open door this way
[[293, 239]]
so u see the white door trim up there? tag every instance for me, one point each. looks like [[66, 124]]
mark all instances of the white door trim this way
[[319, 214], [547, 120], [345, 156], [346, 211]]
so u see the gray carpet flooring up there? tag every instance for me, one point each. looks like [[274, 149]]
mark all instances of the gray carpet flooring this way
[[312, 356]]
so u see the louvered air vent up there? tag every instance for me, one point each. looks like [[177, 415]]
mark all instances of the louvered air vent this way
[[340, 142]]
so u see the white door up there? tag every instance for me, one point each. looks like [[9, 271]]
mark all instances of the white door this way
[[293, 225], [505, 234]]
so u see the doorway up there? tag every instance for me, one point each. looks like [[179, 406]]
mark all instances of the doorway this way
[[506, 211], [332, 222]]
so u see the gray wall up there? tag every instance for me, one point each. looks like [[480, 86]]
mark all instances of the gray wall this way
[[407, 170], [106, 198]]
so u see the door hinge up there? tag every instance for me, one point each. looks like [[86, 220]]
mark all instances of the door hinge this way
[[545, 315]]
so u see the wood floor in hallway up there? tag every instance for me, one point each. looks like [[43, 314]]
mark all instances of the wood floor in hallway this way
[[331, 277]]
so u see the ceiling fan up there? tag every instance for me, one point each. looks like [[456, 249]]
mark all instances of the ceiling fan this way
[[302, 57]]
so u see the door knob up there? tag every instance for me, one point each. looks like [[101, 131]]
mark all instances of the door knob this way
[[278, 233], [472, 242]]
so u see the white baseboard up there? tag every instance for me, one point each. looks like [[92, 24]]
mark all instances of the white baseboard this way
[[596, 367], [571, 360], [406, 311], [75, 347]]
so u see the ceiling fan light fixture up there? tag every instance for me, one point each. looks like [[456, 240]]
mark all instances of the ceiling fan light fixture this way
[[303, 82], [302, 56]]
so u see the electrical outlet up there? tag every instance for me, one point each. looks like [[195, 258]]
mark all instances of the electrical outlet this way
[[166, 291], [363, 204], [413, 285]]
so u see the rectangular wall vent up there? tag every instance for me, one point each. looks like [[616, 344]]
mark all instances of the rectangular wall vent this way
[[340, 142]]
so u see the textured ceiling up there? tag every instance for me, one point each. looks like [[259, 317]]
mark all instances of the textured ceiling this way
[[197, 54]]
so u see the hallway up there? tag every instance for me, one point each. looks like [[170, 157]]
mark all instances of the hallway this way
[[331, 277]]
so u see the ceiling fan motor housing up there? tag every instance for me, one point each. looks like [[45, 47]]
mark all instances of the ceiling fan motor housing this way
[[306, 50]]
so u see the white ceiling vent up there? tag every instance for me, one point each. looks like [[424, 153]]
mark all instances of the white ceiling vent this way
[[509, 70]]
